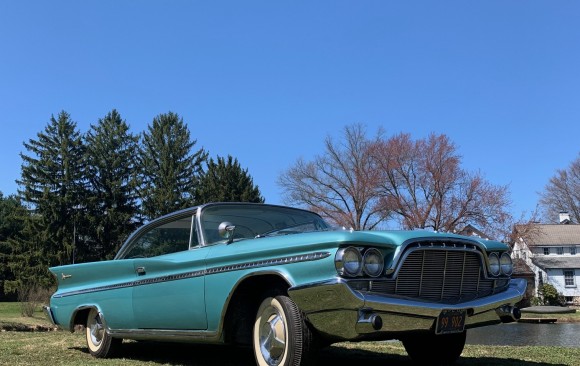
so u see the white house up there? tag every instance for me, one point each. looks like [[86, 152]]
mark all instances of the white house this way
[[552, 252]]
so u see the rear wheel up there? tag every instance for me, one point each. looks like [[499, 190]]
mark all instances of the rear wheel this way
[[280, 335], [99, 342], [432, 349]]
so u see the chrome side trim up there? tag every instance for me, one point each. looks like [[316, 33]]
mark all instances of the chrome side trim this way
[[210, 271], [269, 262], [166, 335], [96, 289]]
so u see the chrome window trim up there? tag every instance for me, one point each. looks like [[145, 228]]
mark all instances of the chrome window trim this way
[[210, 271], [152, 225], [202, 208], [196, 211], [192, 227]]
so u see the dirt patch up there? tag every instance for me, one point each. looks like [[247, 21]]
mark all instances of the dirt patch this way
[[16, 327]]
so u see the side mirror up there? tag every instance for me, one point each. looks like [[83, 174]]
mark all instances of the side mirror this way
[[226, 231]]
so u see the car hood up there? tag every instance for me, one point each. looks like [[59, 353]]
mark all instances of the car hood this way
[[387, 238], [400, 237]]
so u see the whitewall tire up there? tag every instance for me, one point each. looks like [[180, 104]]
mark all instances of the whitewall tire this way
[[280, 336], [99, 342]]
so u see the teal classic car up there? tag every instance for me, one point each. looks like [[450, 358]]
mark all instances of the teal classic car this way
[[282, 281]]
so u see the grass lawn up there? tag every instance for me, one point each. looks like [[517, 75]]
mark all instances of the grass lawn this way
[[64, 348], [10, 313]]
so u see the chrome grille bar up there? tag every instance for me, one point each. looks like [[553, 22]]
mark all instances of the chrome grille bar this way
[[440, 272]]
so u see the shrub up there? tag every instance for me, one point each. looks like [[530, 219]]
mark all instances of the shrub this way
[[550, 295], [31, 297]]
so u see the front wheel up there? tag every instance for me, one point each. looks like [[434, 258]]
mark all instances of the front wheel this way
[[100, 343], [432, 349], [280, 335]]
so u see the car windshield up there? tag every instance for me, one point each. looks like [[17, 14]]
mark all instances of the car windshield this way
[[256, 221]]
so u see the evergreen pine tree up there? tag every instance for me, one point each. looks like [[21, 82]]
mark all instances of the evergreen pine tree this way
[[52, 186], [12, 215], [226, 182], [169, 168], [30, 257], [111, 200]]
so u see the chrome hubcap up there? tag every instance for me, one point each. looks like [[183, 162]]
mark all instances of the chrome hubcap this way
[[96, 329], [272, 336]]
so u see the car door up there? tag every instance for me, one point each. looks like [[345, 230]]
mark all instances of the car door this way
[[168, 292]]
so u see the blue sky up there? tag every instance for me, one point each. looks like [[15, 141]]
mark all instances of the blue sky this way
[[268, 81]]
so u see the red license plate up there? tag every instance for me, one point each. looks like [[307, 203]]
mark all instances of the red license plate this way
[[451, 321]]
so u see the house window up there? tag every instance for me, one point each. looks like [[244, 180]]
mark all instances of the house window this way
[[546, 251], [560, 250], [569, 299], [569, 278], [573, 250]]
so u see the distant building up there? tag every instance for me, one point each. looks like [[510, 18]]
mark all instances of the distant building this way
[[470, 230], [551, 252]]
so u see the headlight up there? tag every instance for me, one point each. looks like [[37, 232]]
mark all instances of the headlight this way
[[348, 262], [507, 267], [494, 265], [373, 262]]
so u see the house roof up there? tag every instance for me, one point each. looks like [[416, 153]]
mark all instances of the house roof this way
[[555, 235], [521, 268], [548, 262], [470, 230]]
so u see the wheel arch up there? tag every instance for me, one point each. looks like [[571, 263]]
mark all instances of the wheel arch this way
[[80, 316], [244, 300]]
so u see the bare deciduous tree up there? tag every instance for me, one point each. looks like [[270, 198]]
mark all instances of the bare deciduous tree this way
[[340, 184], [423, 183], [363, 183], [562, 193]]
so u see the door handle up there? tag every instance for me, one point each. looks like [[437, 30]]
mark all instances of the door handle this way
[[140, 271]]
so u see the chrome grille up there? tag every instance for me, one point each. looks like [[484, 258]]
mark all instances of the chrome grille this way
[[441, 273]]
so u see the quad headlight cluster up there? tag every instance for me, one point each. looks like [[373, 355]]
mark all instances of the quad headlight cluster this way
[[500, 264], [369, 262], [355, 262]]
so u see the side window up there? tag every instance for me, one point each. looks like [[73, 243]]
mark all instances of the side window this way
[[168, 238]]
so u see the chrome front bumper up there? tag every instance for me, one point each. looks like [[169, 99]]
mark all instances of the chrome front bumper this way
[[339, 312]]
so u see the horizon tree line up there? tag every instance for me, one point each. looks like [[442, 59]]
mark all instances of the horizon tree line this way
[[81, 195]]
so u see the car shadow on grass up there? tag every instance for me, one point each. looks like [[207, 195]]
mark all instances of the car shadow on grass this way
[[214, 355]]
